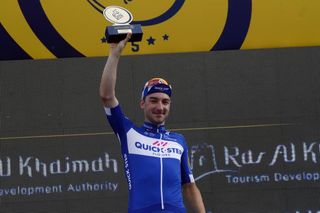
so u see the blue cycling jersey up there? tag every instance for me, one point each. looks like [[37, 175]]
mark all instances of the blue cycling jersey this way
[[155, 164]]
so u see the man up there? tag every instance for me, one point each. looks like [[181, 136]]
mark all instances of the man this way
[[155, 160]]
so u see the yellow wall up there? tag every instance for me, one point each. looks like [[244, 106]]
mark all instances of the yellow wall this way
[[192, 26]]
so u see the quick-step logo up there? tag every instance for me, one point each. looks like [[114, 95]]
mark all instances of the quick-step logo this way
[[142, 145]]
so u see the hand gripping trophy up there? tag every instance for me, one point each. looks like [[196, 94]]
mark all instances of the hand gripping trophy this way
[[121, 19]]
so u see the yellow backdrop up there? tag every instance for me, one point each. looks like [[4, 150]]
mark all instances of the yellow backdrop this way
[[73, 28]]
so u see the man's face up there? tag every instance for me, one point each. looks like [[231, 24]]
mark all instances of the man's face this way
[[156, 107]]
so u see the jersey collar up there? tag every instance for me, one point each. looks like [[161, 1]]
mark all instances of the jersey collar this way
[[150, 127]]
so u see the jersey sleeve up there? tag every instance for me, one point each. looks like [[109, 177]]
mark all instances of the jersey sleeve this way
[[119, 123], [186, 173]]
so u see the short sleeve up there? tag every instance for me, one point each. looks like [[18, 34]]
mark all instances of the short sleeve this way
[[119, 123], [186, 173]]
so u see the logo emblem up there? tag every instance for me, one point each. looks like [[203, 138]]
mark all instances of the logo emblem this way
[[160, 143], [117, 15]]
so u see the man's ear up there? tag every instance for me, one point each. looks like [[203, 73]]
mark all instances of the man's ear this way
[[142, 102]]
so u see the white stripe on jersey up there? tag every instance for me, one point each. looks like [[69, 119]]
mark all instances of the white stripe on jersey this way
[[152, 147]]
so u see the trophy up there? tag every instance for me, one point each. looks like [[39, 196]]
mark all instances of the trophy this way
[[121, 18]]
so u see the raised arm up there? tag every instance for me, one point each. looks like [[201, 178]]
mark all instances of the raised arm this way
[[109, 75]]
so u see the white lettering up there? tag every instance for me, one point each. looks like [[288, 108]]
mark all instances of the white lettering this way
[[25, 164], [308, 150], [231, 157], [281, 150], [30, 166], [233, 179], [5, 167]]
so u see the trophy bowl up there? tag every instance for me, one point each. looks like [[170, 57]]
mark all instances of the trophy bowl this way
[[121, 19]]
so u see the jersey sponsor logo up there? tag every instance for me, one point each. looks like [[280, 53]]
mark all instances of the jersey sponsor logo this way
[[156, 148], [142, 145], [127, 170], [160, 143]]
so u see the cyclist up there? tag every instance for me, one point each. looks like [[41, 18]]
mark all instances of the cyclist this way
[[155, 160]]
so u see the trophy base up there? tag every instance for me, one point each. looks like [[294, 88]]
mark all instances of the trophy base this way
[[116, 33]]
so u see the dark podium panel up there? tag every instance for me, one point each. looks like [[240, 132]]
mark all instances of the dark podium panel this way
[[251, 120]]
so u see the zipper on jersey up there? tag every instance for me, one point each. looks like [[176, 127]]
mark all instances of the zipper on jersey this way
[[161, 178]]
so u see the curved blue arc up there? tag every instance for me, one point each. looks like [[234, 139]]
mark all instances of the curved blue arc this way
[[236, 27], [98, 3], [95, 7], [10, 50], [163, 17], [45, 31], [157, 20]]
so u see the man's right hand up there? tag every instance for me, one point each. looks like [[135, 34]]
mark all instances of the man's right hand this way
[[116, 48]]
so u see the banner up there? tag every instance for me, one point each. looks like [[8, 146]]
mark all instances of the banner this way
[[266, 161], [58, 29]]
